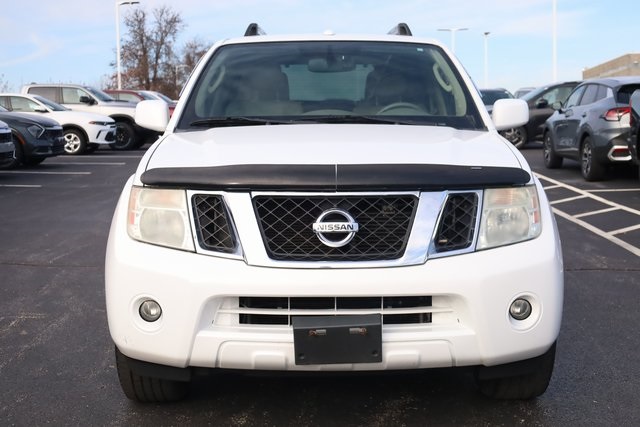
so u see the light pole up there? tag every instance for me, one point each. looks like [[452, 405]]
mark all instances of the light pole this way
[[118, 4], [486, 58], [555, 40], [453, 36], [178, 67]]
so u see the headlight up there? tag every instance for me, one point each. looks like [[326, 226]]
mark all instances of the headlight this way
[[509, 215], [36, 131], [160, 217]]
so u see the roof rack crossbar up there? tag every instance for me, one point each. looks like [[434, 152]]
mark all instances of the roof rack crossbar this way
[[254, 30], [401, 29]]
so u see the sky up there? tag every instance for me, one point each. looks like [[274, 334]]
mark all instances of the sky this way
[[74, 41]]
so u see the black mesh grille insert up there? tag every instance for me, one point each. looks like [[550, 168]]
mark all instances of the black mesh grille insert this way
[[212, 223], [286, 224], [457, 225], [390, 307], [5, 137]]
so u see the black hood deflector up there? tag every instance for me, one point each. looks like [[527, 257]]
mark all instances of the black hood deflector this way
[[381, 177]]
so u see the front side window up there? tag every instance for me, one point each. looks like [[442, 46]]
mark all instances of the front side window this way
[[590, 94], [574, 98], [19, 103], [71, 95], [315, 81]]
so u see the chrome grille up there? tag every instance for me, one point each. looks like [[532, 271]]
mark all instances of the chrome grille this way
[[286, 226], [395, 310], [457, 223], [213, 226]]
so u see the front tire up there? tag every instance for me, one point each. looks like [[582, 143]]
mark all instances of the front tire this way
[[517, 136], [74, 142], [589, 167], [519, 386], [126, 138], [142, 388], [551, 159]]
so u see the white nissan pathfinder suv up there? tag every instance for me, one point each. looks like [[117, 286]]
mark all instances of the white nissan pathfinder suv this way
[[333, 203]]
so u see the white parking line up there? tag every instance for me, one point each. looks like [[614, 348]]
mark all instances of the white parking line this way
[[595, 230], [568, 199], [43, 173], [96, 163], [595, 212], [610, 236], [115, 156], [20, 186]]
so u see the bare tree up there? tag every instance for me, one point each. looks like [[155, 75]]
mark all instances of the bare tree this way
[[192, 51], [4, 86], [148, 55]]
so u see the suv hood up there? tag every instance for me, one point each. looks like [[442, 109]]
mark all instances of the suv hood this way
[[28, 119], [322, 144]]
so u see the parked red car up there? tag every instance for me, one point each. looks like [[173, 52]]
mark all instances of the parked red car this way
[[136, 96]]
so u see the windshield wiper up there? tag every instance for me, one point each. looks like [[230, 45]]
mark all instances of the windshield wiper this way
[[311, 119], [349, 118], [237, 121]]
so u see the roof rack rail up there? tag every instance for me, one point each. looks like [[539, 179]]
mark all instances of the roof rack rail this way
[[401, 29], [254, 30]]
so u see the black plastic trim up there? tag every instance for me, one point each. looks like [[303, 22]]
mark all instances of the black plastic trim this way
[[396, 177]]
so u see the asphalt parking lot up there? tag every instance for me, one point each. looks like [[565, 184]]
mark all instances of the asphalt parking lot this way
[[56, 356]]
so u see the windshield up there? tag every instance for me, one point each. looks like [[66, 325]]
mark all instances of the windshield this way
[[102, 96], [327, 81], [52, 105]]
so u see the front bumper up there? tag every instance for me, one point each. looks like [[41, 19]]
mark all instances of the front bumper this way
[[7, 153], [471, 295], [102, 134]]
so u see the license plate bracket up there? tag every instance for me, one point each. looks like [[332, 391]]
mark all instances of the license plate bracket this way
[[320, 340]]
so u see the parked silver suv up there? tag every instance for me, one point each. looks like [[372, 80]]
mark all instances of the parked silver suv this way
[[592, 126]]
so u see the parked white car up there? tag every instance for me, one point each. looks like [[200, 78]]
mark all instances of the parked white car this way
[[83, 131], [333, 203]]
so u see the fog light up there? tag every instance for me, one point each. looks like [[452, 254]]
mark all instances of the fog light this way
[[150, 310], [520, 309]]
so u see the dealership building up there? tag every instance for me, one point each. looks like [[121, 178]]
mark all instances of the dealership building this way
[[625, 65]]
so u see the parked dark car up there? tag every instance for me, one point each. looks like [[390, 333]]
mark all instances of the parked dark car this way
[[634, 128], [490, 96], [539, 101], [522, 91], [6, 145], [35, 138], [592, 126]]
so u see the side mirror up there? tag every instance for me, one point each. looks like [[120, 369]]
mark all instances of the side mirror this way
[[542, 103], [152, 114], [510, 113], [557, 105], [86, 100], [40, 110]]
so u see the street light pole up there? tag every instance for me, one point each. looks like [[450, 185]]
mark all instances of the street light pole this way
[[118, 4], [555, 40], [453, 36], [486, 59]]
